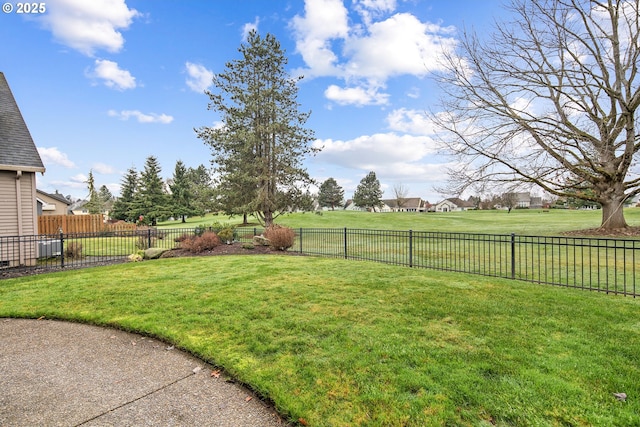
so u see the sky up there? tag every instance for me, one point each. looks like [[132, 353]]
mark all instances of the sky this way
[[104, 84]]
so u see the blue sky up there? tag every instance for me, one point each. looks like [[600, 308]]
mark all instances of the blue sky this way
[[104, 84]]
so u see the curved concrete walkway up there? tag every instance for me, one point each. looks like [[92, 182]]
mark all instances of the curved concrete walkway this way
[[65, 374]]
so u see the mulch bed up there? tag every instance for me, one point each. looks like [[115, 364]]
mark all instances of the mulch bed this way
[[232, 249], [629, 232]]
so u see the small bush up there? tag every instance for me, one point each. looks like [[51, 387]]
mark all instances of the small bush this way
[[281, 238], [137, 257], [199, 230], [226, 234], [248, 246], [73, 250], [197, 244], [182, 238]]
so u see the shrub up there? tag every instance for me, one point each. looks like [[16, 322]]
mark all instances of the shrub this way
[[281, 238], [73, 250], [199, 230], [197, 244], [137, 257], [182, 238], [226, 234], [248, 246]]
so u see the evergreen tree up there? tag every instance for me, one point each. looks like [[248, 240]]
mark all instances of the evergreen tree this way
[[258, 152], [181, 195], [201, 188], [151, 201], [123, 206], [368, 193], [106, 198], [94, 205], [331, 194]]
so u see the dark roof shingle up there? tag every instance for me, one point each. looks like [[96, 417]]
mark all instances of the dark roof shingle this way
[[17, 149]]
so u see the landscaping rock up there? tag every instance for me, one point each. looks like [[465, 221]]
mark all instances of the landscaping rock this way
[[154, 253], [261, 241]]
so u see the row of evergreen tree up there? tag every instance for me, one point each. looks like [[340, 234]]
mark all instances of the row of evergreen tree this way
[[145, 197]]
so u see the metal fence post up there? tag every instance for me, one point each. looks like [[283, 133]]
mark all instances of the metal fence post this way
[[410, 248], [513, 255], [148, 237], [301, 240], [345, 243], [61, 249]]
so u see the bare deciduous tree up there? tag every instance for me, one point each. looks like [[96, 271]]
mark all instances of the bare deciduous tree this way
[[549, 99], [401, 192]]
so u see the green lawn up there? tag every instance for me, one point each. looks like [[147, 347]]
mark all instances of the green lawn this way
[[519, 221], [344, 343]]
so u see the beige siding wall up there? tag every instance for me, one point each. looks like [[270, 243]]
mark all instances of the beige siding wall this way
[[8, 216], [29, 205], [14, 217]]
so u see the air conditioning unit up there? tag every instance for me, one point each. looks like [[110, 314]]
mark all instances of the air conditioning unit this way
[[49, 248]]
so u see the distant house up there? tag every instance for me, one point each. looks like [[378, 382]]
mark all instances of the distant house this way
[[52, 203], [524, 200], [410, 204], [19, 163], [78, 208], [453, 204], [349, 205]]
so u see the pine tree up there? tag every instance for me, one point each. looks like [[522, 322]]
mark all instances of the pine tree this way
[[258, 152], [331, 194], [94, 205], [368, 193], [201, 187], [106, 198], [181, 195], [123, 206], [151, 201]]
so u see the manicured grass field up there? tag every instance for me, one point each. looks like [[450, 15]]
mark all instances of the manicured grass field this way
[[344, 343], [519, 221]]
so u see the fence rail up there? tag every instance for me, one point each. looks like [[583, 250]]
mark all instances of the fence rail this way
[[605, 265]]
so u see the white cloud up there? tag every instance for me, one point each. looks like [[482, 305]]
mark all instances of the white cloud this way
[[141, 117], [370, 9], [101, 168], [358, 96], [87, 26], [248, 27], [374, 152], [54, 156], [113, 76], [367, 54], [199, 78], [398, 45], [411, 121], [324, 21]]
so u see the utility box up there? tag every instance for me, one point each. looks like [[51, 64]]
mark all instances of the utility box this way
[[49, 248]]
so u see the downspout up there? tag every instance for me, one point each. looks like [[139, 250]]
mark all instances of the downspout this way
[[19, 210]]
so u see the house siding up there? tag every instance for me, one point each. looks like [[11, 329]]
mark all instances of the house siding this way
[[8, 218], [24, 224]]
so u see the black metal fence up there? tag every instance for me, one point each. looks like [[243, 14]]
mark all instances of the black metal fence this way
[[599, 264]]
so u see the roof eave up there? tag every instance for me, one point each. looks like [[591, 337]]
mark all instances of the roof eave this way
[[17, 168]]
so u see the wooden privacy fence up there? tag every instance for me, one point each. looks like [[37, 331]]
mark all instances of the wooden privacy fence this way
[[67, 224]]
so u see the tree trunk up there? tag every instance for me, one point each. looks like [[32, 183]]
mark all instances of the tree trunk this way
[[268, 218], [613, 213], [244, 219]]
